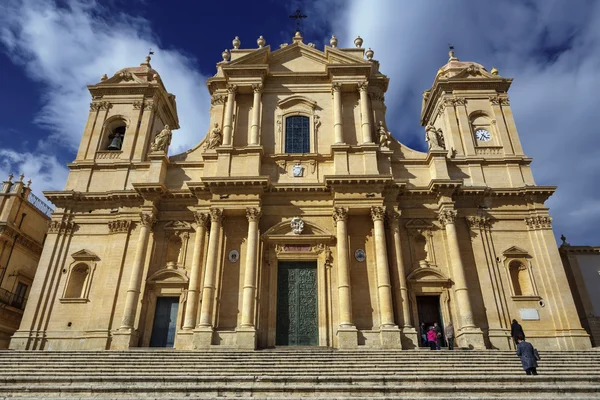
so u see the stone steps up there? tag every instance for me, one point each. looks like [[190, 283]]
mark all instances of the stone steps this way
[[295, 374]]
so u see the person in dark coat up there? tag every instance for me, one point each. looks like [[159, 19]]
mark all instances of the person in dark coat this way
[[516, 330], [526, 353], [423, 334]]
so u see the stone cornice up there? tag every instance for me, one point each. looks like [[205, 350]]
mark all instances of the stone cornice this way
[[335, 180], [8, 233], [579, 249], [64, 198]]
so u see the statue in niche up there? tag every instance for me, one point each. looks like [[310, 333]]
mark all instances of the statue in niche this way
[[215, 138], [420, 247], [384, 136], [162, 140], [432, 138]]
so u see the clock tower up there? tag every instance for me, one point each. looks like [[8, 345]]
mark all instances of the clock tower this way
[[468, 110]]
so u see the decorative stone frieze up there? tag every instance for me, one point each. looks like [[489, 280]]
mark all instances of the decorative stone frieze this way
[[61, 227], [478, 222]]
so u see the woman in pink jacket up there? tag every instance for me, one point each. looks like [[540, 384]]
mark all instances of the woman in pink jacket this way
[[432, 338]]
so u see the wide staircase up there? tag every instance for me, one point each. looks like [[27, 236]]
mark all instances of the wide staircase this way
[[296, 373]]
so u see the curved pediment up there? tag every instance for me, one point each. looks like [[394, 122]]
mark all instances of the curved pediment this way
[[297, 100], [284, 228], [427, 275], [169, 275]]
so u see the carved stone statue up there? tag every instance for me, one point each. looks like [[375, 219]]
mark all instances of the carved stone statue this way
[[431, 136], [383, 135], [441, 140], [162, 140], [215, 138]]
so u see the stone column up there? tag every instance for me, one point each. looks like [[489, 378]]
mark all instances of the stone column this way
[[208, 290], [133, 291], [461, 292], [253, 216], [347, 332], [384, 291], [194, 284], [338, 129], [394, 222], [367, 135], [228, 120], [340, 216], [253, 140]]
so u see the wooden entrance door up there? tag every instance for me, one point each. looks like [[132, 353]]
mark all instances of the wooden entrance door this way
[[165, 322], [297, 314]]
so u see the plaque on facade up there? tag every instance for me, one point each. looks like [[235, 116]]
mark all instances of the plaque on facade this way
[[298, 170], [297, 225], [360, 255], [529, 314], [233, 256]]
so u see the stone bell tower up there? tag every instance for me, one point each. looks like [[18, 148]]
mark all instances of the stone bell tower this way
[[127, 111], [467, 112]]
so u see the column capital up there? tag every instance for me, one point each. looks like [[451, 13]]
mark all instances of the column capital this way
[[201, 218], [363, 86], [253, 214], [378, 213], [232, 89], [336, 87], [340, 214], [119, 226], [447, 217], [257, 87], [539, 222], [216, 214], [479, 222], [147, 219], [393, 219]]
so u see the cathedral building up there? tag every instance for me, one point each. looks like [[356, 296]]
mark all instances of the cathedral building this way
[[299, 220]]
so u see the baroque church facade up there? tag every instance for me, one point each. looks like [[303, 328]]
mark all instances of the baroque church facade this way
[[299, 219]]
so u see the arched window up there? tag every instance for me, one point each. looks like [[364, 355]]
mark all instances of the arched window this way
[[114, 134], [521, 281], [77, 282], [297, 134]]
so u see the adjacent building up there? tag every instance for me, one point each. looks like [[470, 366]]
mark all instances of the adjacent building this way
[[23, 224], [298, 219]]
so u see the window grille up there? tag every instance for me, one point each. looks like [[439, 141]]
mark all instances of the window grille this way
[[297, 133]]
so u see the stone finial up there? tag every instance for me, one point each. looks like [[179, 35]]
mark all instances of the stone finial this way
[[358, 42], [333, 41], [494, 71], [226, 55], [10, 177], [261, 42], [564, 241], [370, 53], [104, 77], [297, 37], [21, 177], [29, 183], [236, 42]]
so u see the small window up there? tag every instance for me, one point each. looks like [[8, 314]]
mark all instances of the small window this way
[[19, 298], [297, 133]]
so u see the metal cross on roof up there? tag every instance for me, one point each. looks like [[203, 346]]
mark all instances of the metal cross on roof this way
[[298, 16]]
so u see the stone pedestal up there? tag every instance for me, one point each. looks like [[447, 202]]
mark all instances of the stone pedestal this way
[[203, 338], [123, 339], [390, 337], [470, 338], [184, 340], [347, 338], [246, 338], [410, 338], [158, 167]]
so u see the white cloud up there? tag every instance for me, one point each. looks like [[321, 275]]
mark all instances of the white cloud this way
[[550, 48], [67, 48]]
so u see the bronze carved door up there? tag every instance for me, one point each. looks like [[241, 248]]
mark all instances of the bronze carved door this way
[[297, 318]]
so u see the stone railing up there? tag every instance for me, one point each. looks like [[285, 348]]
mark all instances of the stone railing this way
[[12, 299], [108, 155], [489, 151], [40, 205]]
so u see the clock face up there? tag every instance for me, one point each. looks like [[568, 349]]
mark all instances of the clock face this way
[[482, 135]]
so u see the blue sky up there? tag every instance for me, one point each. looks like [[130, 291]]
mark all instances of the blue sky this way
[[50, 50]]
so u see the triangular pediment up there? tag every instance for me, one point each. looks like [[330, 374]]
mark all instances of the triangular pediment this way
[[335, 56], [178, 225], [515, 251], [297, 58], [418, 223], [84, 255], [257, 57], [122, 77]]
